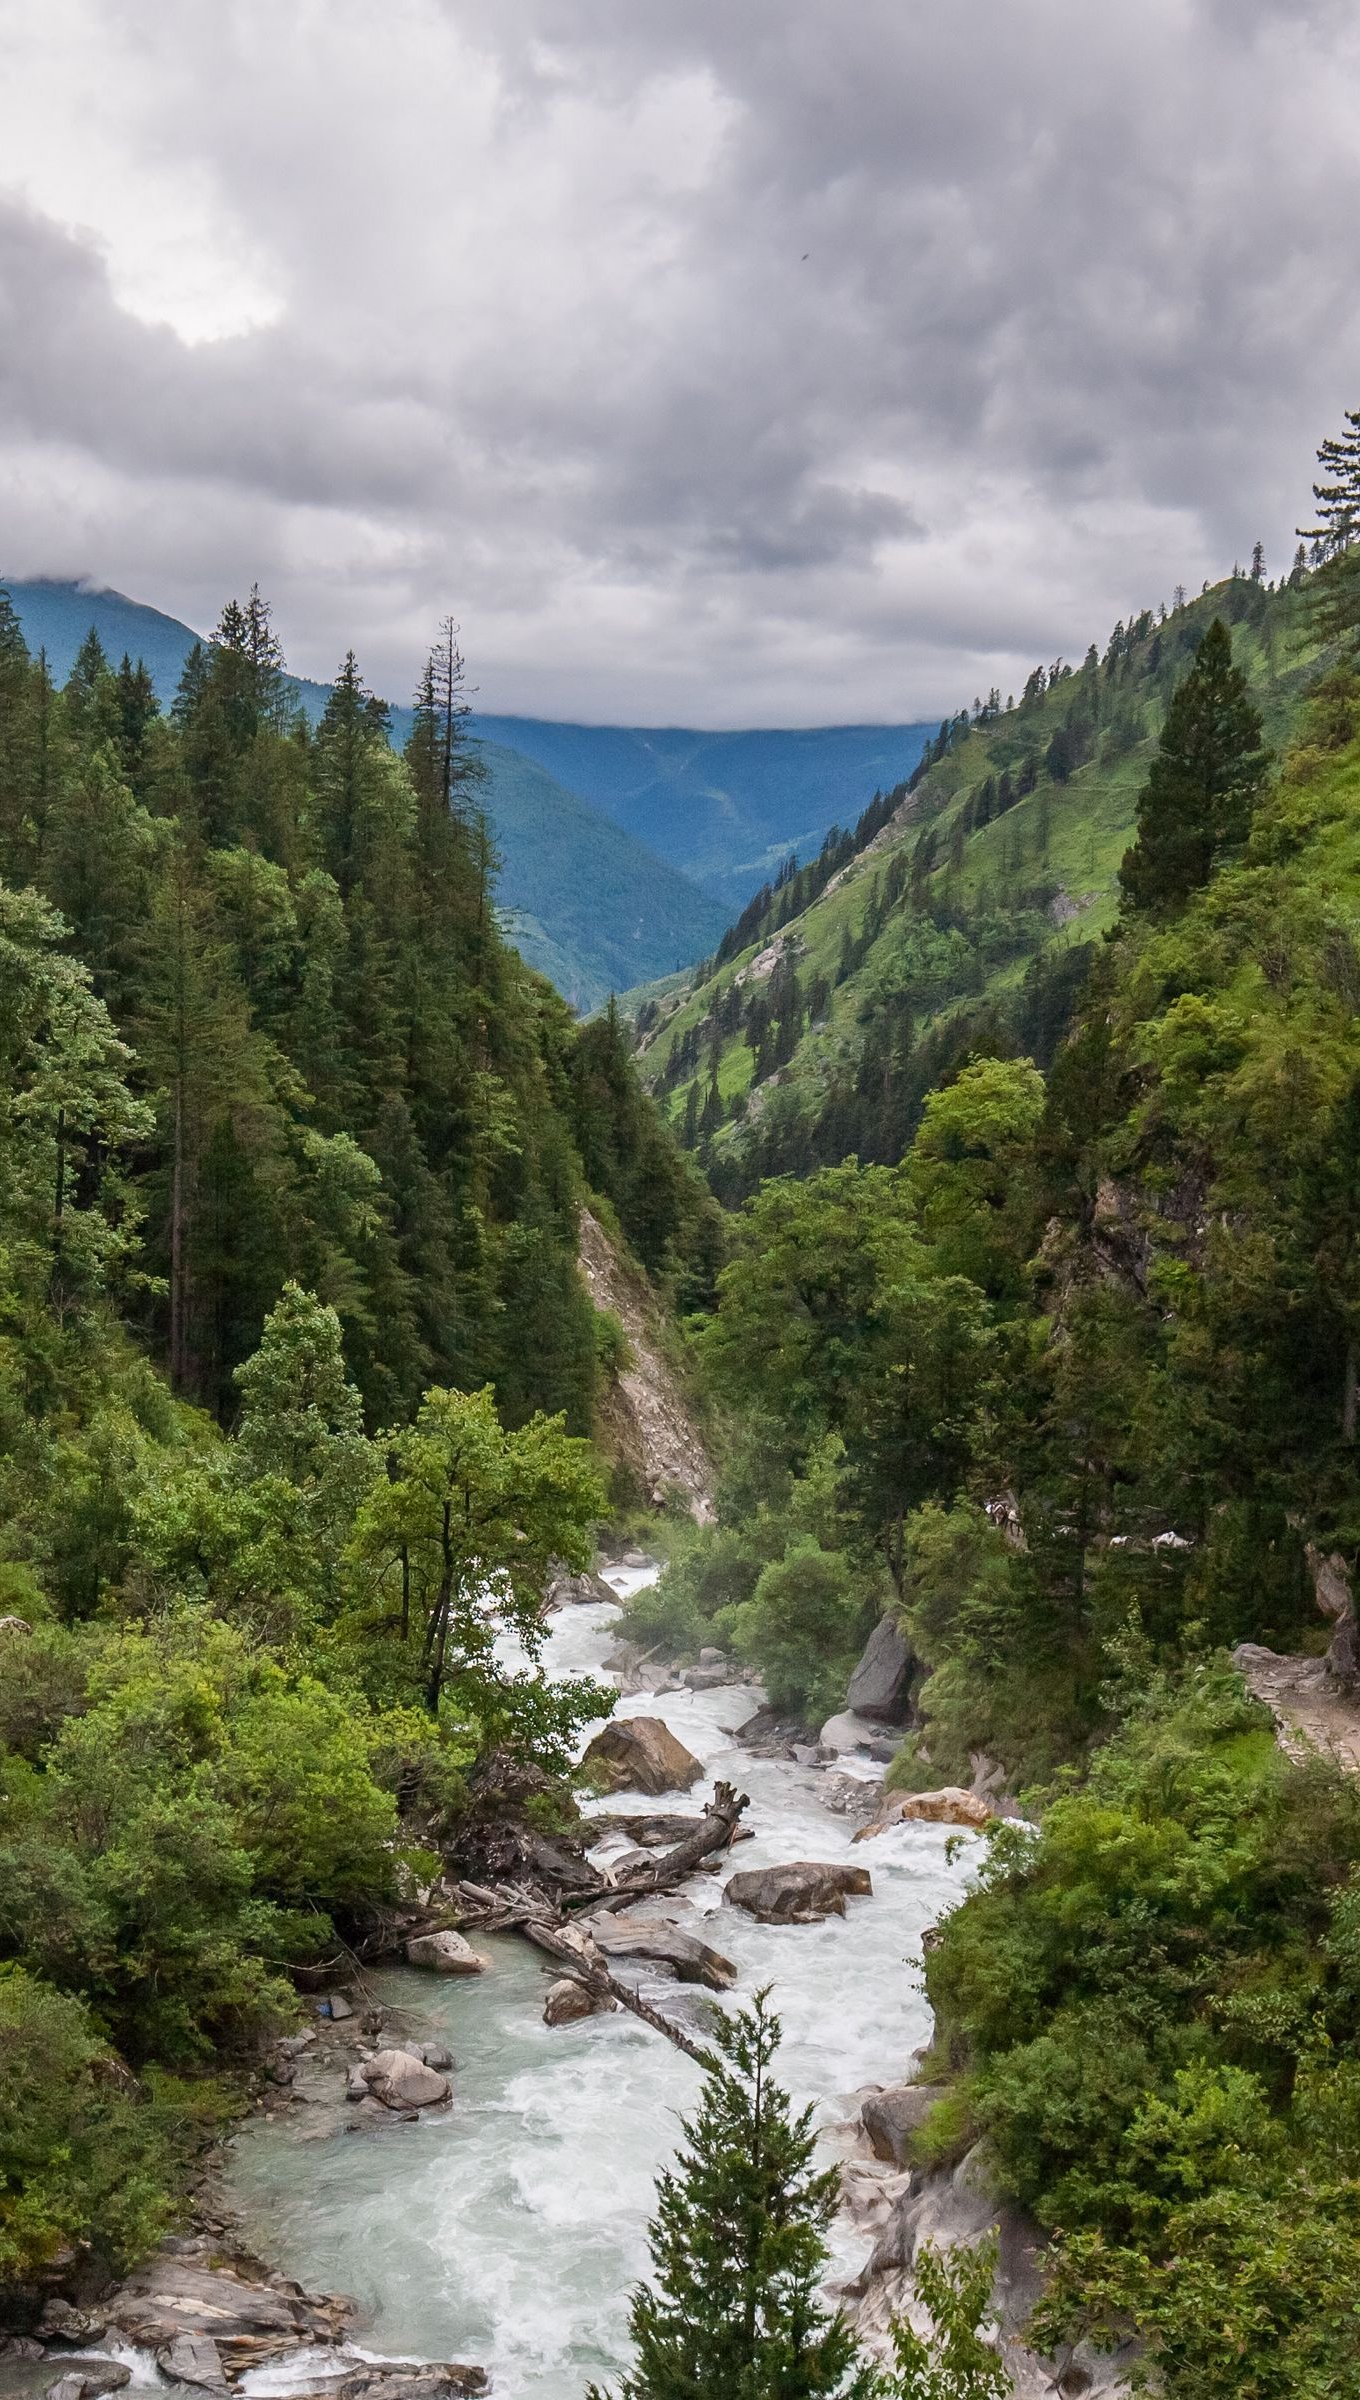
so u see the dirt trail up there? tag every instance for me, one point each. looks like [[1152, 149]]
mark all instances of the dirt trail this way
[[1312, 1711], [644, 1413]]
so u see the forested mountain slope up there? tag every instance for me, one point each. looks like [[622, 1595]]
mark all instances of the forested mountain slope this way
[[1069, 1391], [586, 901], [298, 1379], [726, 808], [961, 912]]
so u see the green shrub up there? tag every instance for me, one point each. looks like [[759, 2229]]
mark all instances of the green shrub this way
[[82, 2157]]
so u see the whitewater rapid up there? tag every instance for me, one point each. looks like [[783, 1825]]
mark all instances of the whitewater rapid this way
[[508, 2229]]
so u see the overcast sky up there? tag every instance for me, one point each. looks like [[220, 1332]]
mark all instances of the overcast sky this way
[[715, 361]]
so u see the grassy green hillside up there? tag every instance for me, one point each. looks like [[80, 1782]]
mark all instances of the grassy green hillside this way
[[967, 917]]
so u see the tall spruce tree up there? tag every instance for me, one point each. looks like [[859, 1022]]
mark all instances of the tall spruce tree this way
[[738, 2244], [1208, 772]]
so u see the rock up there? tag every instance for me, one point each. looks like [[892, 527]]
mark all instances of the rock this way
[[880, 1687], [849, 1732], [194, 2358], [340, 2008], [381, 2381], [60, 2322], [293, 2044], [890, 2119], [642, 1754], [566, 1590], [434, 2054], [250, 2322], [567, 2001], [91, 2378], [401, 2080], [629, 1937], [850, 1795], [21, 2348], [708, 1679], [951, 1805], [15, 1625], [636, 1559], [801, 1893], [445, 1954], [356, 2087], [713, 1658]]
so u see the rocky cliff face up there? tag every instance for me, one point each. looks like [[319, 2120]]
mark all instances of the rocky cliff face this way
[[645, 1416]]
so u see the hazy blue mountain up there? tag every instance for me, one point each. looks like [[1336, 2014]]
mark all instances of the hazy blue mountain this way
[[588, 904], [723, 807]]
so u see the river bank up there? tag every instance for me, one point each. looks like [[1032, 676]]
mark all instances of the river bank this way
[[510, 2227]]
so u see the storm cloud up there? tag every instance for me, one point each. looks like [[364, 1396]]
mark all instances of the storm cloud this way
[[728, 362]]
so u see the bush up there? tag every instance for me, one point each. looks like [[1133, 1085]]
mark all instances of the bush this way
[[82, 2158], [802, 1629]]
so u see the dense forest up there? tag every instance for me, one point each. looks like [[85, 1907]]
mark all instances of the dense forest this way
[[1068, 1387], [294, 1354]]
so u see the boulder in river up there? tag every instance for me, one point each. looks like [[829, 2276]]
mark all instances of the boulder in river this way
[[445, 1954], [91, 2379], [401, 2080], [891, 2118], [566, 1590], [799, 1893], [61, 2322], [951, 1805], [630, 1937], [642, 1754], [194, 2358], [567, 2001], [880, 1687], [850, 1732]]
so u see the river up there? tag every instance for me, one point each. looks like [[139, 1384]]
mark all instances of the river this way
[[508, 2229]]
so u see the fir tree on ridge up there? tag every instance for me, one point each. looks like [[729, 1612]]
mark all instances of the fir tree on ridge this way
[[1209, 771]]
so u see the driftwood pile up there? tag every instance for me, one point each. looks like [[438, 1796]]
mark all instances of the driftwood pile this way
[[545, 1907]]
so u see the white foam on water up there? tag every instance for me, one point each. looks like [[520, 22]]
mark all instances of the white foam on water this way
[[509, 2229]]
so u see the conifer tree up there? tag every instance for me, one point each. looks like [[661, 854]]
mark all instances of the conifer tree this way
[[738, 2245], [1208, 772]]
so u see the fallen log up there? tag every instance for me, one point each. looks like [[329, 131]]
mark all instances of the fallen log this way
[[578, 1954], [713, 1831]]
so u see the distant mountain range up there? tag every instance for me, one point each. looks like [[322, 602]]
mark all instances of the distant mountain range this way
[[625, 849]]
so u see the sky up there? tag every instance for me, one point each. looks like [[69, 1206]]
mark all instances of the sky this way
[[718, 362]]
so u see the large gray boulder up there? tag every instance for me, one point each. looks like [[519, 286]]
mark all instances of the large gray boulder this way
[[630, 1937], [641, 1754], [401, 2080], [93, 2379], [890, 2119], [567, 2002], [445, 1954], [799, 1893], [880, 1687]]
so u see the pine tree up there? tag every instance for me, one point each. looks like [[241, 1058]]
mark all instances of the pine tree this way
[[1209, 771], [738, 2245]]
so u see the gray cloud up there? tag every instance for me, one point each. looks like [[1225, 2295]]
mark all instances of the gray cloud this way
[[721, 361]]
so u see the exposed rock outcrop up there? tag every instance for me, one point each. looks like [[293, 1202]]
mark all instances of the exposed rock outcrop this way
[[890, 2118], [250, 2322], [801, 1893], [880, 1687], [644, 1415], [958, 2206], [642, 1754]]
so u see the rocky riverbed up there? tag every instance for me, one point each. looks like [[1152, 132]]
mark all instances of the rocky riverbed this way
[[486, 2202]]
